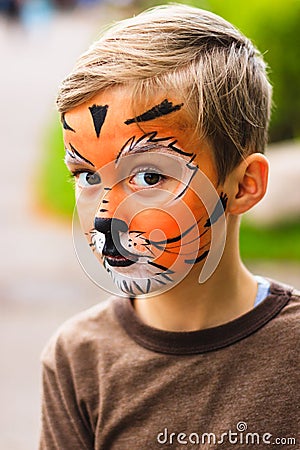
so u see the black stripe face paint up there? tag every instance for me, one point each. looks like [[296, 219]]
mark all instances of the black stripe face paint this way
[[98, 113], [135, 145], [75, 152], [65, 125], [218, 211], [198, 259], [164, 108]]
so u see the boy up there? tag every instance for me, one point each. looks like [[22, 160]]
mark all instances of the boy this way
[[165, 120]]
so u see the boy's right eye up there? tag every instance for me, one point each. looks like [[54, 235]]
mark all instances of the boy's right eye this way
[[87, 179]]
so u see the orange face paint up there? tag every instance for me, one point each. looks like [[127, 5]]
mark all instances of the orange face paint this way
[[145, 194]]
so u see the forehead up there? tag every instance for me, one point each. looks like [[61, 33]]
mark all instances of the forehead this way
[[99, 128]]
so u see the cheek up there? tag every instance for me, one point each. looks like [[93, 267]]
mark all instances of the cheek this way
[[183, 228], [172, 221], [194, 204], [87, 205], [157, 225]]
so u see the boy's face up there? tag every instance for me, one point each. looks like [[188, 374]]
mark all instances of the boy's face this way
[[145, 189]]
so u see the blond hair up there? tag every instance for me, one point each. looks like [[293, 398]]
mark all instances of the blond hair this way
[[213, 68]]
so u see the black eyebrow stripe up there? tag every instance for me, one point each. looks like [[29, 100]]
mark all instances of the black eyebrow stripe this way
[[79, 155], [65, 125], [133, 143], [164, 108], [151, 137], [130, 141], [178, 150]]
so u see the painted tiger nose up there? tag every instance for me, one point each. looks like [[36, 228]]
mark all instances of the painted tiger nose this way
[[110, 226], [111, 229]]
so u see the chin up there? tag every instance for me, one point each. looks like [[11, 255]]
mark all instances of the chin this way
[[139, 279]]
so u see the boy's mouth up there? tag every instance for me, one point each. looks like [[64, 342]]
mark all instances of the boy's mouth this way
[[115, 254], [121, 261]]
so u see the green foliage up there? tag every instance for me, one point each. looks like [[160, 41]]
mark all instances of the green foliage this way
[[281, 242], [56, 192], [273, 26]]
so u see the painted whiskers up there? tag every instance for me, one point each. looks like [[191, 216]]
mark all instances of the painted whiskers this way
[[149, 275]]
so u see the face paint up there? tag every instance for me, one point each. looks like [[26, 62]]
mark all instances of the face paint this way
[[164, 108], [218, 210], [76, 156], [144, 204], [98, 113], [65, 125]]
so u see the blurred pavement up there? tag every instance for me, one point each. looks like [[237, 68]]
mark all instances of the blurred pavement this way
[[41, 282]]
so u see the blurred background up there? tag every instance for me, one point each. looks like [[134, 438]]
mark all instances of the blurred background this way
[[41, 281]]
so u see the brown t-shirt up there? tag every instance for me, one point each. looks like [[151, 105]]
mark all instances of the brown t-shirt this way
[[111, 382]]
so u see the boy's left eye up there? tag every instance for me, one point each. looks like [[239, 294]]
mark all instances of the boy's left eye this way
[[146, 179]]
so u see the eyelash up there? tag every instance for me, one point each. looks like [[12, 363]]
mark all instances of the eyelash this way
[[75, 173]]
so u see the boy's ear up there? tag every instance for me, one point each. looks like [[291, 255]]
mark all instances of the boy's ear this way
[[250, 181]]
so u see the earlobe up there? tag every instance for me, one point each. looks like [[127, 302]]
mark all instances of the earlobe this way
[[251, 179]]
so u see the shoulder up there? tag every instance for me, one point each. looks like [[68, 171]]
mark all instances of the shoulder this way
[[286, 323], [292, 307], [291, 313], [83, 334]]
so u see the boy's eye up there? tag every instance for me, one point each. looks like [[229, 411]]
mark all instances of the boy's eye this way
[[146, 179], [86, 179]]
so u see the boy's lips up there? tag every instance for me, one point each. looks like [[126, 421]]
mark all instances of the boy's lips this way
[[120, 260]]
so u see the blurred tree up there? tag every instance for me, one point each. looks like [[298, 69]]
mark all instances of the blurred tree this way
[[274, 26]]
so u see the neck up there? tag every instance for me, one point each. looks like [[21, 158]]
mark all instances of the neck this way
[[189, 306]]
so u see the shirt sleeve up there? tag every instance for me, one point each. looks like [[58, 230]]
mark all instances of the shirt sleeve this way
[[65, 423]]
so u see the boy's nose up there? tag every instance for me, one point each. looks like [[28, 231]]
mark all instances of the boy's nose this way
[[110, 226], [111, 229]]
